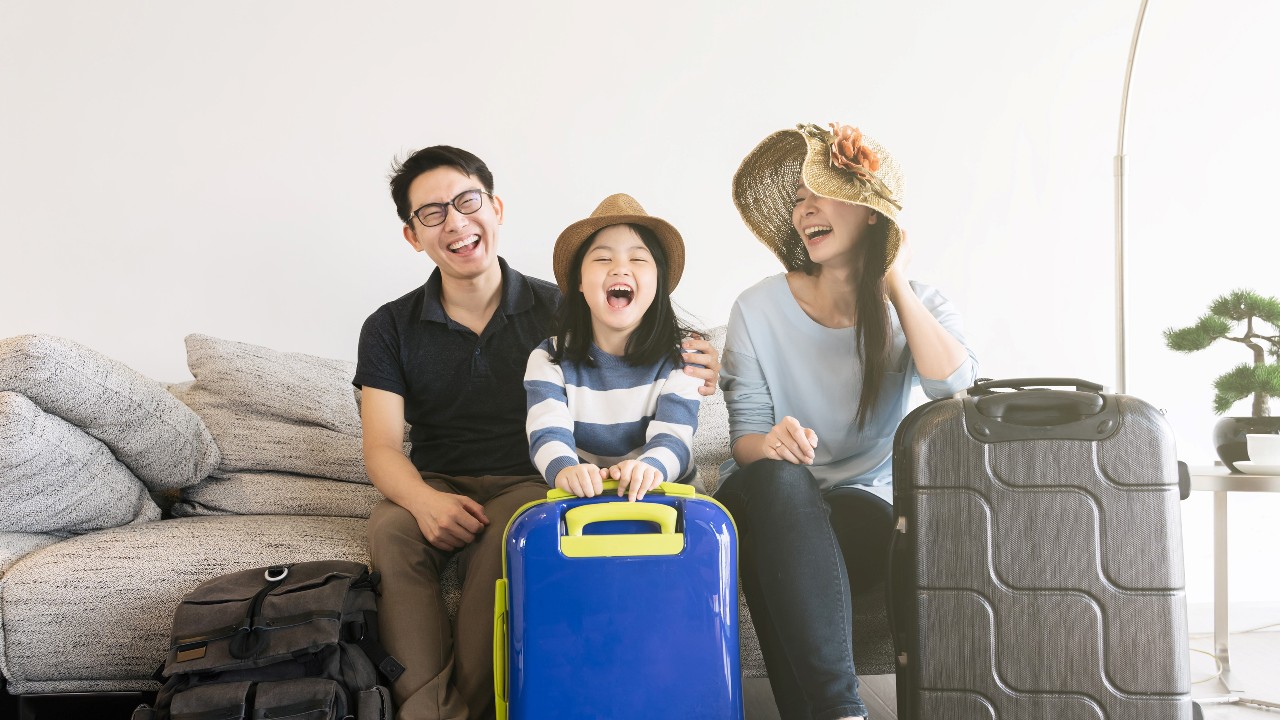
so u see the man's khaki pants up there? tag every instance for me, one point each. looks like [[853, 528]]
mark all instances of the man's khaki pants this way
[[448, 672]]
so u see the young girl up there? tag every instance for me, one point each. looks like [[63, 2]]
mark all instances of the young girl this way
[[608, 397], [819, 363]]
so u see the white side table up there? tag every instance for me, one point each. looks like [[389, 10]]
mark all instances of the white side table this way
[[1220, 481]]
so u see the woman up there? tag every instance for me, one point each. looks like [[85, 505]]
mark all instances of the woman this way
[[817, 371]]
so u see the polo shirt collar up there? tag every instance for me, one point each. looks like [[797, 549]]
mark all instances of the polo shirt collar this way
[[517, 296]]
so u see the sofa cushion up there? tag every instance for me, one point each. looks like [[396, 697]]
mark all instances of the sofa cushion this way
[[56, 479], [278, 411], [273, 493], [711, 443], [157, 437], [14, 545], [93, 613]]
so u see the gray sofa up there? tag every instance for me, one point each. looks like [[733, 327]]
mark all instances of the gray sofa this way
[[119, 494]]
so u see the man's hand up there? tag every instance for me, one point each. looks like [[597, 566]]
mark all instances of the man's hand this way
[[447, 520], [698, 351], [585, 480], [635, 478]]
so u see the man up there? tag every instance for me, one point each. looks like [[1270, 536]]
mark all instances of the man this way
[[449, 358]]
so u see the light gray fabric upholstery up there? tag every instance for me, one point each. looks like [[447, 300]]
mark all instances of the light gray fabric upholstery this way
[[14, 545], [93, 613], [273, 493], [276, 411], [711, 443], [155, 436], [56, 479]]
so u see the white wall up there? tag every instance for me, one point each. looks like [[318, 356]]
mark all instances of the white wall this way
[[220, 167]]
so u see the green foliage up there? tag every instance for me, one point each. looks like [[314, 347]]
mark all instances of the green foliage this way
[[1240, 305], [1198, 336], [1242, 311], [1244, 380]]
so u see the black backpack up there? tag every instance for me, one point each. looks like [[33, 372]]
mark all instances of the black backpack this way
[[295, 640]]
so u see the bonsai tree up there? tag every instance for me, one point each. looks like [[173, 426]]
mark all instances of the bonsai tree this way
[[1260, 378]]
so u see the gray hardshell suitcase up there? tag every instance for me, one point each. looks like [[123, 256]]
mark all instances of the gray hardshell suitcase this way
[[1037, 567]]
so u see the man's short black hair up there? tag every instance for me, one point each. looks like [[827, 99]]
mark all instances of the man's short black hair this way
[[428, 159]]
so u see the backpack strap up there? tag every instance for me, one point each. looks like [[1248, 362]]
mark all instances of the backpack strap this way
[[246, 642], [364, 633]]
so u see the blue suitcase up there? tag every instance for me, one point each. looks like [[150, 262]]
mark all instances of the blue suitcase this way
[[614, 609]]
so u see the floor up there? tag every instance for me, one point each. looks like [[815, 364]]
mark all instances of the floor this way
[[1255, 661]]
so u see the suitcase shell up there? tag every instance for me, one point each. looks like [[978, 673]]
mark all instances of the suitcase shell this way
[[597, 616], [1037, 567]]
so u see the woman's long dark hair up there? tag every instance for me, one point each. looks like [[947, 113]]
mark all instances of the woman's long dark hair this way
[[872, 329], [659, 334]]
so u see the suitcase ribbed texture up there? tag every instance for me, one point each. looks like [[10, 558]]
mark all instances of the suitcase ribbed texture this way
[[1041, 578]]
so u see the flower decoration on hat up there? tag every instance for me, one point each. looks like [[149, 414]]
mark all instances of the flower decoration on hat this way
[[850, 154]]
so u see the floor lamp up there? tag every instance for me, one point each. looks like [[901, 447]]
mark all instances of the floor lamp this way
[[1121, 349]]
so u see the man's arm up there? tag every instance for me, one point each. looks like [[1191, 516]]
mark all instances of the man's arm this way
[[697, 350], [669, 436], [447, 520]]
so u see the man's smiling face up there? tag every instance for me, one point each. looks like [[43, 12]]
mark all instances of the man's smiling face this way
[[463, 246]]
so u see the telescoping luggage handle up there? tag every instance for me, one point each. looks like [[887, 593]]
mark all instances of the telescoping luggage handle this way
[[985, 385], [1035, 412]]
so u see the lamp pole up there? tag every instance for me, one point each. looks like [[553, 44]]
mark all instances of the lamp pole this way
[[1121, 343]]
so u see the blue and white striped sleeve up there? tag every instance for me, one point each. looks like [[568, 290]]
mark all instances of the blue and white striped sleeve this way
[[549, 424], [669, 437]]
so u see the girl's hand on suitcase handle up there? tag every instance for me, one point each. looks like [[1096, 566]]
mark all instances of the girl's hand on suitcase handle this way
[[638, 477], [585, 480], [790, 441]]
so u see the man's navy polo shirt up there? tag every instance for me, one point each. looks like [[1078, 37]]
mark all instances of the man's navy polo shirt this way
[[463, 394]]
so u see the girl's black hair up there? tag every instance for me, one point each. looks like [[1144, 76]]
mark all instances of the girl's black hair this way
[[659, 334], [872, 329]]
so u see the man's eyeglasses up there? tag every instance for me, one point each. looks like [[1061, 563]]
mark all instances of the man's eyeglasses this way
[[467, 202]]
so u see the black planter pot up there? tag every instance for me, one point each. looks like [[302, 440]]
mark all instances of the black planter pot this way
[[1228, 436]]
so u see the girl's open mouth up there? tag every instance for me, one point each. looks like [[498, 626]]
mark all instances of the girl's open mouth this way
[[619, 296]]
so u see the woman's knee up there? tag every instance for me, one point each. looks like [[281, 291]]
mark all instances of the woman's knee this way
[[772, 492], [777, 481]]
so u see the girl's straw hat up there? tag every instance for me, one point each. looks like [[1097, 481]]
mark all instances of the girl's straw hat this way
[[842, 164], [617, 210]]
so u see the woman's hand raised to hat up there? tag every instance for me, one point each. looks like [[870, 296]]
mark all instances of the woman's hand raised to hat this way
[[895, 279], [701, 361]]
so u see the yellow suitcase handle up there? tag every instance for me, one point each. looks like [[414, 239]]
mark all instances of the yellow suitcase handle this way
[[665, 542], [673, 489], [578, 518]]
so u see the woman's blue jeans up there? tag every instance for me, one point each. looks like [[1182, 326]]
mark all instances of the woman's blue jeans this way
[[801, 551]]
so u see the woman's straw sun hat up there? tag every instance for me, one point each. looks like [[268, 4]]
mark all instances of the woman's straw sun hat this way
[[842, 164]]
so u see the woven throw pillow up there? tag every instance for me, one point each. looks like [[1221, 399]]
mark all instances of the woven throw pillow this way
[[276, 411], [272, 493], [161, 440], [56, 479]]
